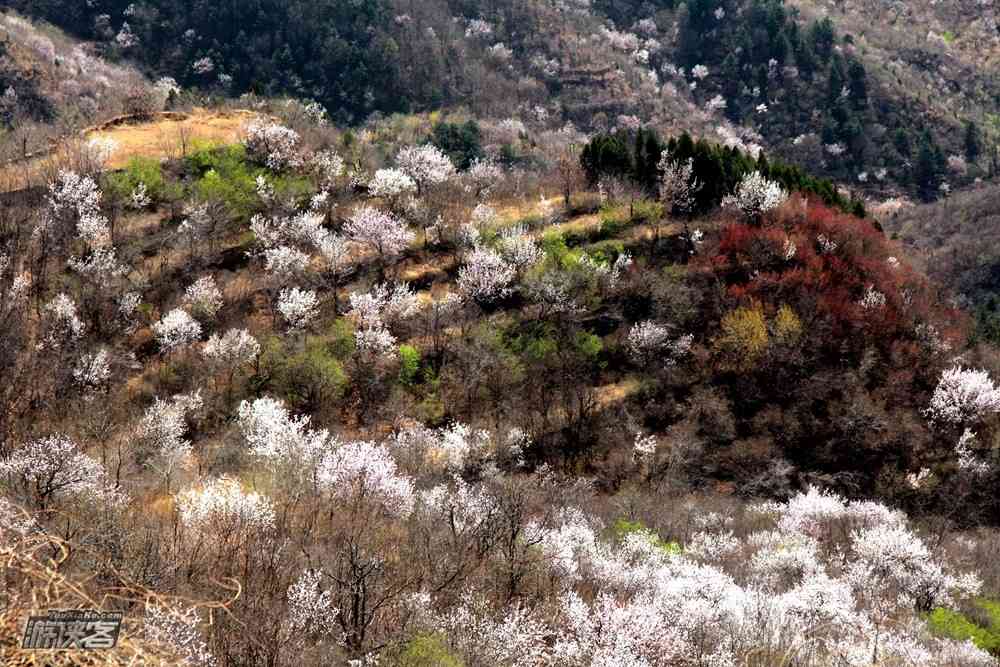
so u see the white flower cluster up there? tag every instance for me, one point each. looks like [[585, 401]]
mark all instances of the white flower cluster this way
[[274, 145], [519, 249], [54, 467], [65, 326], [176, 329], [310, 608], [678, 186], [391, 184], [92, 371], [820, 574], [364, 470], [222, 508], [328, 166], [426, 165], [377, 311], [204, 298], [76, 199], [231, 349], [486, 276], [163, 427], [383, 232], [755, 195], [963, 396], [648, 340], [176, 628], [298, 307], [872, 299]]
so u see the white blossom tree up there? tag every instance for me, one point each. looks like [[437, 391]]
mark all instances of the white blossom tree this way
[[486, 276], [963, 396], [273, 145], [382, 232], [755, 195], [230, 351], [426, 165], [176, 329], [162, 430], [53, 467], [298, 307], [204, 298]]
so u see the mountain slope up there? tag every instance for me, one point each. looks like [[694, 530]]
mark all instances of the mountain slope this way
[[876, 109]]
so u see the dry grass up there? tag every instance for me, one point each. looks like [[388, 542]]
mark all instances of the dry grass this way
[[171, 135], [168, 136], [617, 393], [36, 567]]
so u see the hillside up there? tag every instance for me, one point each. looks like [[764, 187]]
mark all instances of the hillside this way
[[820, 88], [956, 240], [316, 371], [530, 333]]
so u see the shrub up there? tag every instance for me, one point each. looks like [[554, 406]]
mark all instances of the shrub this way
[[143, 170], [956, 625], [427, 650], [307, 379], [744, 337], [409, 364]]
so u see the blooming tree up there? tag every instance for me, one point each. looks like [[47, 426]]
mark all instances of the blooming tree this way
[[392, 184], [54, 467], [426, 165], [162, 430], [519, 249], [64, 324], [176, 329], [204, 298], [176, 627], [221, 508], [678, 186], [963, 396], [359, 470], [383, 232], [273, 145], [486, 276], [92, 371], [755, 195], [298, 307]]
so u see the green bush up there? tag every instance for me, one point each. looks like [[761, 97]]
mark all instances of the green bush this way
[[308, 378], [409, 364], [120, 185], [427, 650], [984, 633], [613, 223]]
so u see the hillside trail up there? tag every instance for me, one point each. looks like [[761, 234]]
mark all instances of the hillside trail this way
[[168, 135]]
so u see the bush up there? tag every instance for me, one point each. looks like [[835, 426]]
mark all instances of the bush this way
[[428, 650], [409, 364], [308, 379], [956, 625], [460, 142], [145, 170], [744, 337]]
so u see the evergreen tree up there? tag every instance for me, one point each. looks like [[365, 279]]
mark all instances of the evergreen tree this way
[[973, 142]]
